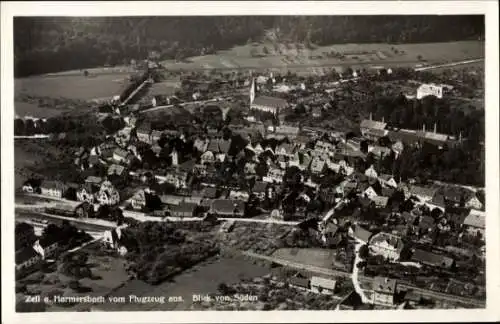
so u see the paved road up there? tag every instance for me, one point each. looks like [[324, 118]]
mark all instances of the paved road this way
[[38, 136], [134, 93], [451, 64], [355, 274], [255, 220], [137, 215], [300, 66], [185, 104]]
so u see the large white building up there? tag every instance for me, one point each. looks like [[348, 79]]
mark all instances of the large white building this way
[[387, 245], [431, 89]]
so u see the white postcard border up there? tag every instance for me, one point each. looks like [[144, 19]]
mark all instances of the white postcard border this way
[[489, 8]]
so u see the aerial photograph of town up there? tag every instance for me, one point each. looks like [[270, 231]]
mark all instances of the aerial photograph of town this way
[[191, 163]]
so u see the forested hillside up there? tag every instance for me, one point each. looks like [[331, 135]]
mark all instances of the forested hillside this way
[[47, 44]]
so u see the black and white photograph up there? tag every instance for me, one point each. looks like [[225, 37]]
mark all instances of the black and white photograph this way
[[249, 162]]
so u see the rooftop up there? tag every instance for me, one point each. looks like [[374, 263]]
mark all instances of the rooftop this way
[[373, 124], [384, 284], [323, 282], [270, 101]]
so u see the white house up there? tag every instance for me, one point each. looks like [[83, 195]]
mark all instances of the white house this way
[[108, 195], [475, 222], [430, 89], [370, 192], [387, 245], [474, 203], [207, 158], [388, 180], [371, 173], [274, 175]]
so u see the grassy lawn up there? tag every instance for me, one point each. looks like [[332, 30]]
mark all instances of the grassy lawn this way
[[314, 257], [30, 109]]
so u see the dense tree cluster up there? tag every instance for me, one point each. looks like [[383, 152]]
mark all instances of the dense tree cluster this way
[[24, 235], [159, 250], [65, 234], [55, 44]]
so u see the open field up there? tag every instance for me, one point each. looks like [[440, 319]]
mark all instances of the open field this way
[[72, 86], [279, 56], [22, 160], [28, 109], [201, 279], [315, 257]]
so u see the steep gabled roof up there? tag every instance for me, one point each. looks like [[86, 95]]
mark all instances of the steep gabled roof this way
[[271, 102]]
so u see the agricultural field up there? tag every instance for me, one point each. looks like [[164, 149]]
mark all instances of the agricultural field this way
[[22, 160], [33, 110], [268, 55], [72, 86]]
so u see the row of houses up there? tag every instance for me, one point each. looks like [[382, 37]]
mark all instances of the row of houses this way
[[390, 246], [373, 130], [93, 190]]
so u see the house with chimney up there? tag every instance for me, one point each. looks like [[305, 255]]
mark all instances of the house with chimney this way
[[227, 208], [322, 285], [383, 291]]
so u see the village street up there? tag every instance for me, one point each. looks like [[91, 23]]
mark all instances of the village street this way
[[355, 273]]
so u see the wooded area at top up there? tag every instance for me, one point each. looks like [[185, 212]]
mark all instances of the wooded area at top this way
[[50, 44]]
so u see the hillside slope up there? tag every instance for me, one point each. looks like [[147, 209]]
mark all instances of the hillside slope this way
[[48, 44]]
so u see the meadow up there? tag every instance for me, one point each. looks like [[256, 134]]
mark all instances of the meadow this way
[[267, 55], [72, 85]]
